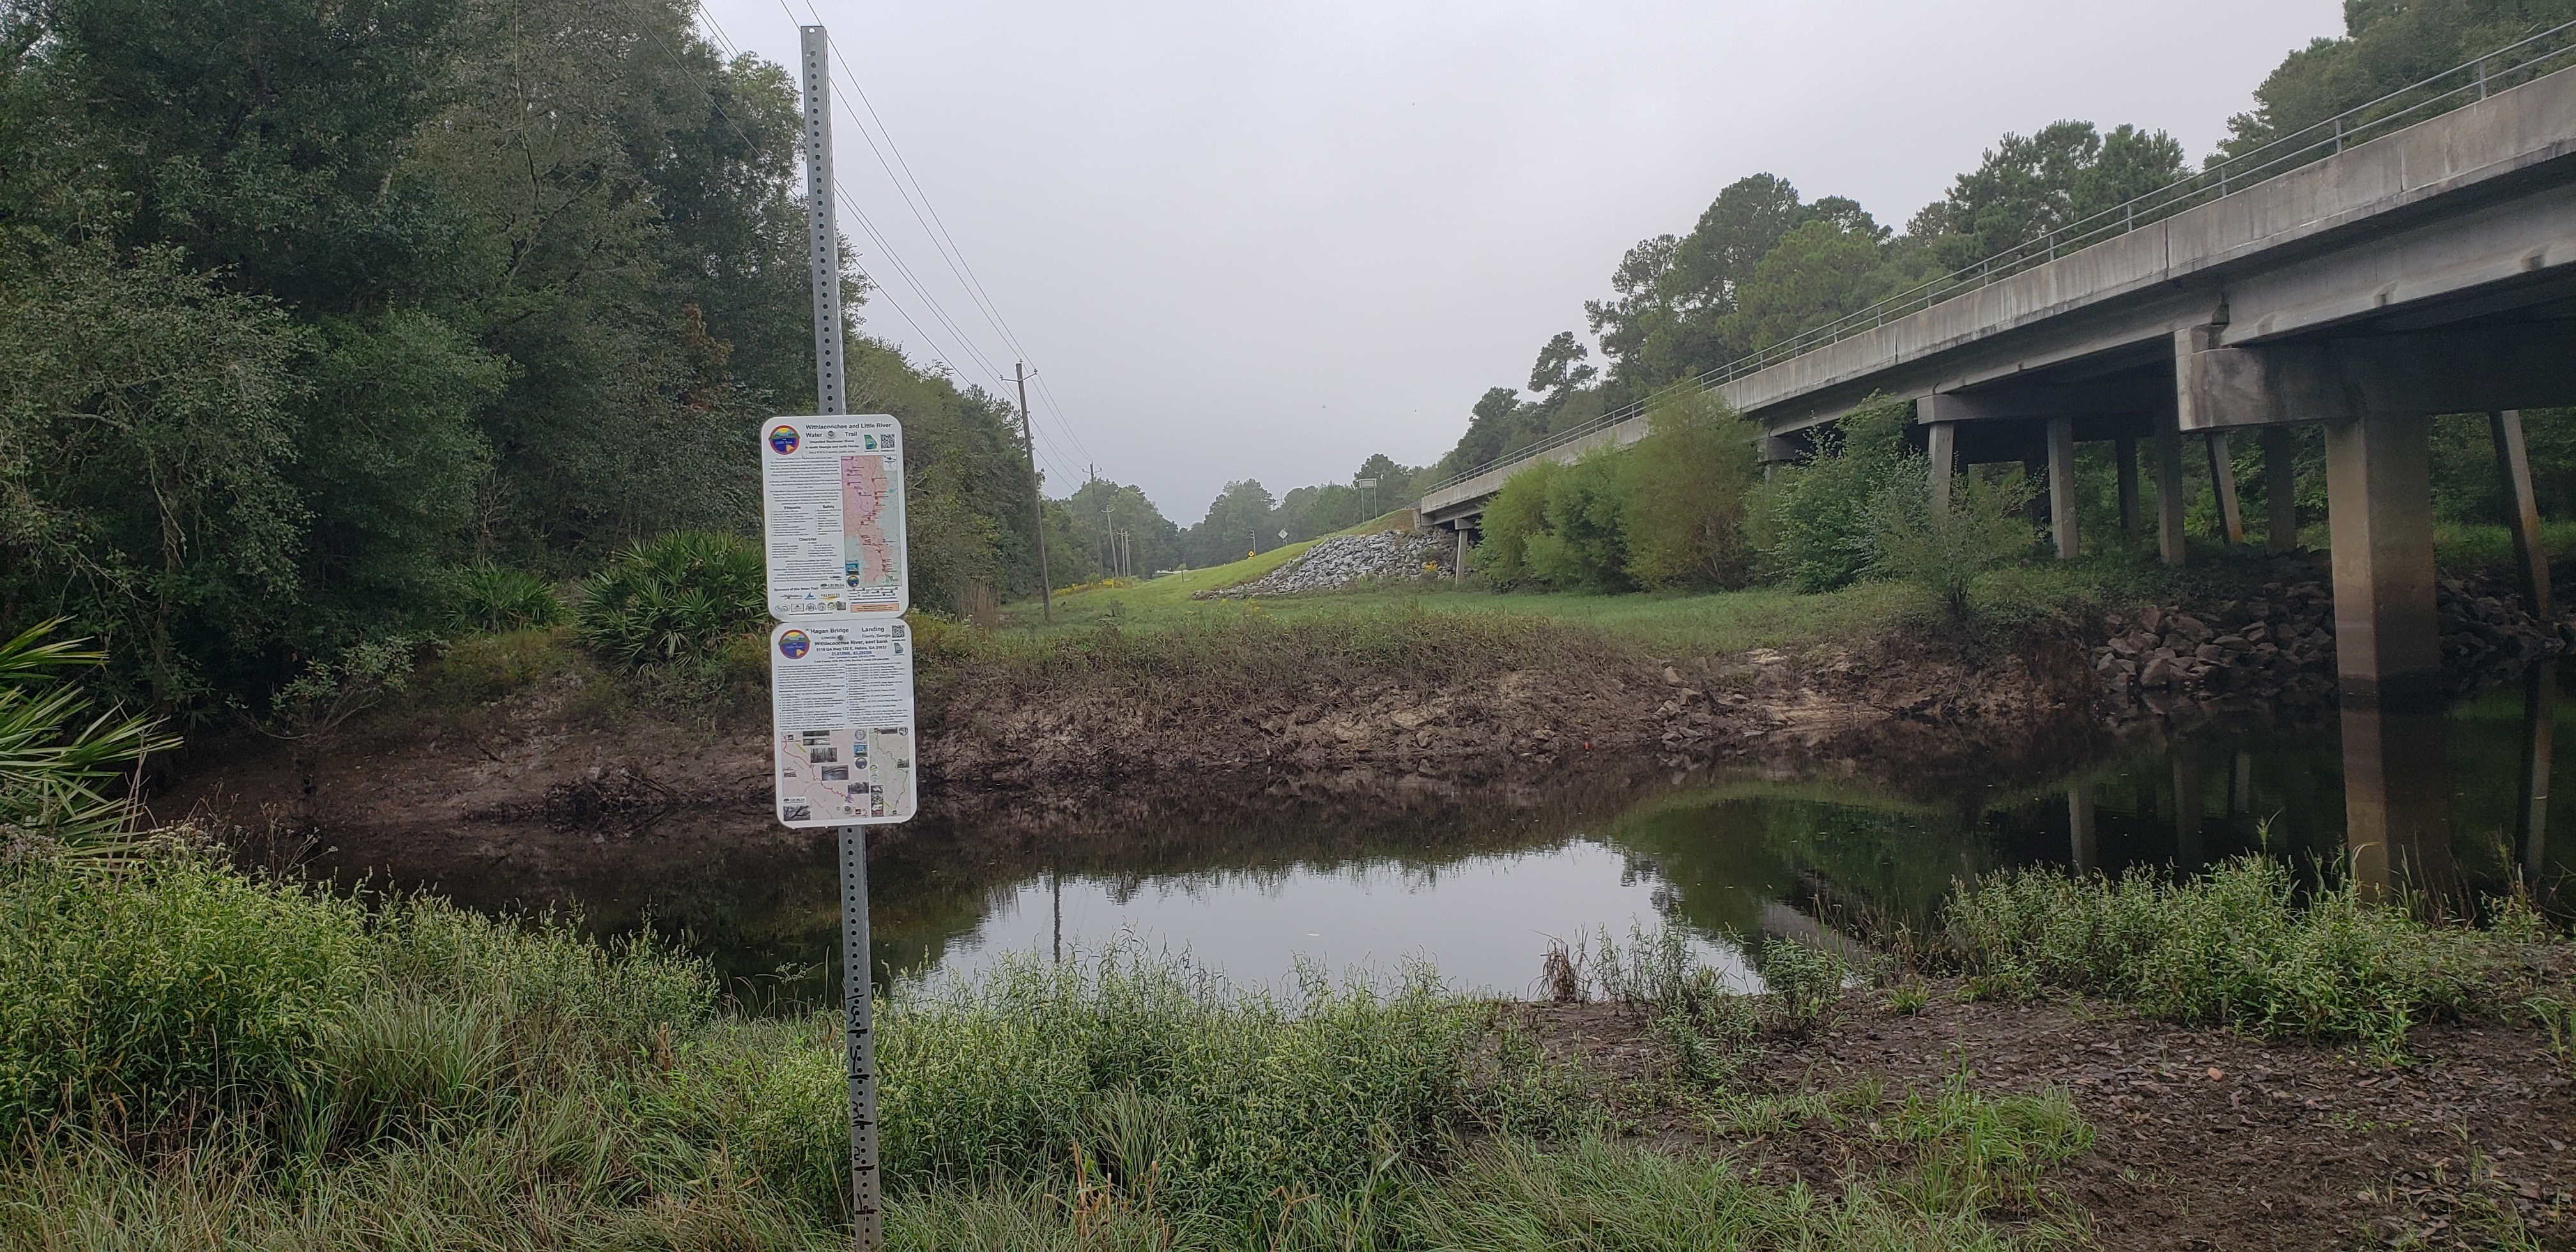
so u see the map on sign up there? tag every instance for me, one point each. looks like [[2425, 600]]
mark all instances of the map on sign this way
[[841, 726], [832, 496]]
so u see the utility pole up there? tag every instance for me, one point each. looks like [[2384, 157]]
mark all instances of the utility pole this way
[[858, 995], [1046, 585]]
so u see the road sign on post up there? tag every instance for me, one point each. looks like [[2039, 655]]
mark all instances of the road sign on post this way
[[841, 666], [831, 490], [840, 715]]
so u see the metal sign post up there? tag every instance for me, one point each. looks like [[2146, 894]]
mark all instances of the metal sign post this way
[[831, 399]]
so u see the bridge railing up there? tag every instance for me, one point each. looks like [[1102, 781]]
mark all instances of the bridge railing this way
[[2513, 64]]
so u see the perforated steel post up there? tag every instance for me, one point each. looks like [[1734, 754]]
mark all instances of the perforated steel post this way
[[858, 1003]]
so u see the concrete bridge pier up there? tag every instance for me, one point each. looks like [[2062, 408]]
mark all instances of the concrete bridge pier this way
[[2379, 502], [2280, 491], [1941, 441], [2125, 452], [2222, 485], [2379, 509], [2061, 486], [2169, 501]]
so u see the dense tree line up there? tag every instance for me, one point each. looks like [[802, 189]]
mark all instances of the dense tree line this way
[[1106, 522], [303, 304], [1763, 264]]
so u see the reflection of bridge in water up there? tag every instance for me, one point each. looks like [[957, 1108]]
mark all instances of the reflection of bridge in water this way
[[2361, 277]]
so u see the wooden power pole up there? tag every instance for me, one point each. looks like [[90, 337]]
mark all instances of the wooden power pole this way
[[1037, 492]]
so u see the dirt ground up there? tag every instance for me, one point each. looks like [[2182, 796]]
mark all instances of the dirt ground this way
[[2203, 1138], [553, 779]]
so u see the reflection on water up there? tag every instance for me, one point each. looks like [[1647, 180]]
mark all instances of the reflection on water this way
[[1483, 920], [2455, 803]]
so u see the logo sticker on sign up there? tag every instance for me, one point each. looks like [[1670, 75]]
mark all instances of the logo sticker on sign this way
[[832, 495], [841, 727]]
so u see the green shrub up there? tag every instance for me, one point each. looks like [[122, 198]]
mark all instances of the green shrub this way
[[1805, 983], [1946, 551], [1516, 512], [2236, 947], [1582, 546], [128, 997], [1686, 484], [489, 599], [1814, 523], [678, 597], [1666, 511], [58, 759]]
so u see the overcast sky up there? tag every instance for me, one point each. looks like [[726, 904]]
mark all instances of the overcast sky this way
[[1264, 241]]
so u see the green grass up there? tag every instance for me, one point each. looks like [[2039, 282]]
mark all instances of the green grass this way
[[1669, 625], [2241, 946], [208, 1060]]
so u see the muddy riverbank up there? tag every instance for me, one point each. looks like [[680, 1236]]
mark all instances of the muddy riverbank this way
[[558, 768]]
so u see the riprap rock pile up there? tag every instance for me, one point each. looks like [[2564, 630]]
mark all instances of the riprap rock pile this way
[[1345, 561], [2275, 648]]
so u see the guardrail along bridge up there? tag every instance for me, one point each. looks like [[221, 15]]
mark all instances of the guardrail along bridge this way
[[2429, 270], [2411, 258]]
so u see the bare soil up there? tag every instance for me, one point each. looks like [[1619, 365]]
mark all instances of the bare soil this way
[[554, 781], [2203, 1138]]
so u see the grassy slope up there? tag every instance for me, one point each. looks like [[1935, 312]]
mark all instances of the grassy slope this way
[[1728, 621]]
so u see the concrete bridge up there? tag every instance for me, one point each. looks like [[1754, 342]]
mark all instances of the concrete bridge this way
[[2430, 270]]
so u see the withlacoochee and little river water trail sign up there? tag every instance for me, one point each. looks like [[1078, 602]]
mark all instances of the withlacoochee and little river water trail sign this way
[[842, 733], [831, 492]]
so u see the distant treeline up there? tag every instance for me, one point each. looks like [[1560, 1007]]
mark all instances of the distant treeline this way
[[1763, 264], [1244, 518], [308, 310]]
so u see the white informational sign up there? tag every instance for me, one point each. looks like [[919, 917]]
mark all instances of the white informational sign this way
[[832, 498], [840, 717]]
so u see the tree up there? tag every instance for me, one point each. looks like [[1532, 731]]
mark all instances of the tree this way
[[1560, 365], [1815, 523], [1102, 512], [147, 454], [1672, 294], [303, 305], [1238, 522], [1685, 485], [2387, 46], [1820, 271], [1495, 424], [2030, 185]]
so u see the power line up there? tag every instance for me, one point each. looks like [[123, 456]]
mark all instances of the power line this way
[[677, 62], [923, 293], [926, 215], [946, 357]]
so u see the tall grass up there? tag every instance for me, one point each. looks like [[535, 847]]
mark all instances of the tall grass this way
[[2240, 946], [199, 1059]]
